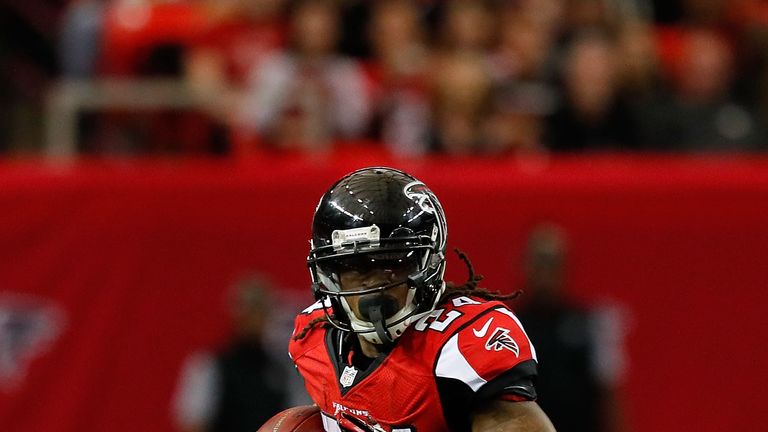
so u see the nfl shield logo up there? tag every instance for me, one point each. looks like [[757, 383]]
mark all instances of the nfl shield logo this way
[[348, 376]]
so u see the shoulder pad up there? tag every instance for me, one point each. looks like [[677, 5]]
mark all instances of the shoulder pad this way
[[295, 348], [452, 315], [487, 346]]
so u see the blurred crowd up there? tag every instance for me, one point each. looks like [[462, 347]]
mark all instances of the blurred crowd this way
[[460, 77]]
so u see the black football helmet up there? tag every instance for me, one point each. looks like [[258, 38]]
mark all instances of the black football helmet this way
[[378, 218]]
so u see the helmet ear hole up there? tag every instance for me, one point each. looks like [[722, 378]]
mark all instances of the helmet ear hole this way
[[423, 293], [416, 280]]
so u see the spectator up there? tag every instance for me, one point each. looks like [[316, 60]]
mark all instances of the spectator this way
[[525, 50], [308, 96], [581, 350], [462, 100], [750, 17], [241, 34], [546, 15], [703, 114], [642, 83], [705, 12], [462, 78], [592, 114], [240, 387], [517, 121], [639, 66], [468, 26], [27, 64], [401, 62], [522, 66], [80, 39], [270, 73], [580, 15]]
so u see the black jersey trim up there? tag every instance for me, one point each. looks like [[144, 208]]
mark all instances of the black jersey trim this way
[[518, 381], [330, 347], [454, 396], [339, 364], [459, 401]]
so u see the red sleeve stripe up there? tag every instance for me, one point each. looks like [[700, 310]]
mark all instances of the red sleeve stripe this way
[[513, 398]]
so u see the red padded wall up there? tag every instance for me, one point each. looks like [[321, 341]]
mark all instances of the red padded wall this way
[[134, 258]]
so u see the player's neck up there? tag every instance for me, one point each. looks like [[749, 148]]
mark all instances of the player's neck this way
[[369, 349]]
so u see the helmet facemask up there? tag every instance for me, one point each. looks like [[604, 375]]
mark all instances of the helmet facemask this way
[[383, 311]]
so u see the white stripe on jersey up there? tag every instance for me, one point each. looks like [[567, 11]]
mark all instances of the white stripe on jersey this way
[[519, 324], [330, 424], [453, 364], [317, 305]]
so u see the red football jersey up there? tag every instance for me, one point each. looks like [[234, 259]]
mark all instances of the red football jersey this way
[[465, 353]]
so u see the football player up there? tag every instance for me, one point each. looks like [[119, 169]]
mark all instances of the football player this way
[[389, 346]]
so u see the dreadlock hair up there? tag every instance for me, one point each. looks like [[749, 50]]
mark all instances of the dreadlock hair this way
[[469, 287], [321, 319]]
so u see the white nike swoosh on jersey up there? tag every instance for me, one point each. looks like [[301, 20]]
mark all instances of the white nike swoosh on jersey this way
[[483, 330]]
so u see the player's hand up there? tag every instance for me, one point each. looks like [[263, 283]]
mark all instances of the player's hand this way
[[350, 423]]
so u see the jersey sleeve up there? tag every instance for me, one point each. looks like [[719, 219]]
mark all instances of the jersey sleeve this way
[[490, 358], [301, 324]]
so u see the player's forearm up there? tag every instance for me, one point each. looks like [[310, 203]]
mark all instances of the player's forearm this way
[[504, 416]]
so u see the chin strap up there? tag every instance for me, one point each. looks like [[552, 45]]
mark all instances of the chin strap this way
[[376, 309], [379, 323]]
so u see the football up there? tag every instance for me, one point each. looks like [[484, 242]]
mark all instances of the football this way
[[305, 418]]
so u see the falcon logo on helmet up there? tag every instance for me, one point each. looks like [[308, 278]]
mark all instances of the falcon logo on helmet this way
[[418, 192]]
